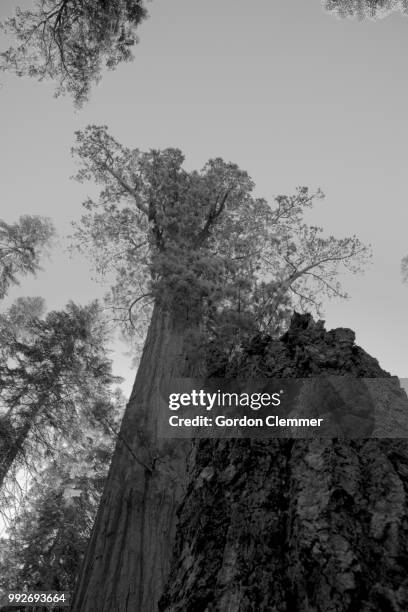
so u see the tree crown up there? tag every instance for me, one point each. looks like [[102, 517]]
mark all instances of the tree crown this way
[[201, 242]]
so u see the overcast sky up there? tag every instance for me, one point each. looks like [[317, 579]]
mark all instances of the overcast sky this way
[[291, 94]]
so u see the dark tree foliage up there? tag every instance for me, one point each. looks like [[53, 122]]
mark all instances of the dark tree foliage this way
[[21, 247], [365, 9], [47, 368], [46, 541], [70, 41]]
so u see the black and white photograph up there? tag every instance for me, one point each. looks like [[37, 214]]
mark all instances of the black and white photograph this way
[[203, 305]]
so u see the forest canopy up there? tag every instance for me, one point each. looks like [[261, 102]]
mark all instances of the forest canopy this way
[[71, 42]]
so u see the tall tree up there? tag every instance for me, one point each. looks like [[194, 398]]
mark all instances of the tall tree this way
[[47, 366], [70, 41], [21, 247], [365, 9], [198, 245]]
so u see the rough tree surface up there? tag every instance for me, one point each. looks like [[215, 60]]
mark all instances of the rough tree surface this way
[[296, 525], [128, 557]]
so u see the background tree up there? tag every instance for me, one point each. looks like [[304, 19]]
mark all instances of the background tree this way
[[198, 246], [46, 541], [70, 41], [21, 246], [48, 366], [58, 416], [362, 9]]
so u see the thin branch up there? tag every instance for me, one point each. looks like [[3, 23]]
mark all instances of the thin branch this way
[[213, 215], [303, 297], [119, 435], [126, 187], [134, 304], [328, 285]]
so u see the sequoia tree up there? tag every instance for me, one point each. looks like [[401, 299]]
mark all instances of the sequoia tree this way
[[203, 252]]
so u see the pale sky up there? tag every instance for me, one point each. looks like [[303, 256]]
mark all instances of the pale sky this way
[[291, 94]]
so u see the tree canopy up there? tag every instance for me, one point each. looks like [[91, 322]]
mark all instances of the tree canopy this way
[[201, 242], [365, 9], [21, 246], [71, 41]]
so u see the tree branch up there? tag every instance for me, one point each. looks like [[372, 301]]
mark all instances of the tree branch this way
[[126, 187], [213, 215]]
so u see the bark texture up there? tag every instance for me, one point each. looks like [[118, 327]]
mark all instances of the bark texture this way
[[127, 560], [287, 525]]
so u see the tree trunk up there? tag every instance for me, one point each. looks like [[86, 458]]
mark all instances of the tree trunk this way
[[127, 561], [286, 525], [305, 526]]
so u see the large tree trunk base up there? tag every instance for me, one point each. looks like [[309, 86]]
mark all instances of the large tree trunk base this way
[[305, 526], [297, 525]]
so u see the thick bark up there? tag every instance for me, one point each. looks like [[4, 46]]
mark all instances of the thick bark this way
[[316, 526], [297, 525], [128, 556]]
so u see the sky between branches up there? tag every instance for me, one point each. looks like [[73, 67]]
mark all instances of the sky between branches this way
[[291, 94]]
